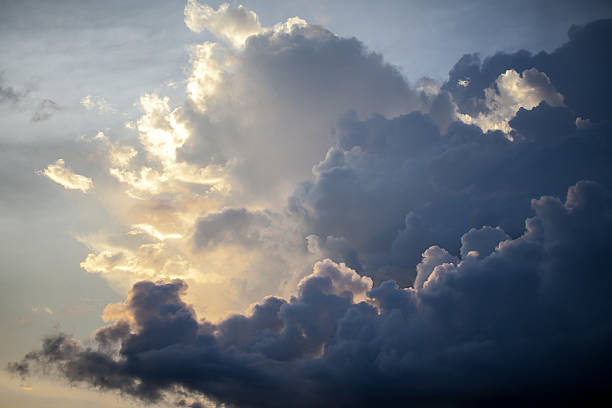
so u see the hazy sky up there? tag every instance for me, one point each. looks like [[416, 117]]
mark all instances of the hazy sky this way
[[306, 149]]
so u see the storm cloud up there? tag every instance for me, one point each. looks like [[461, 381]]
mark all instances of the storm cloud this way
[[390, 188], [510, 326], [456, 235]]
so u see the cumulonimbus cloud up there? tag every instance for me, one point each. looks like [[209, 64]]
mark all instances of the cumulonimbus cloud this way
[[456, 273]]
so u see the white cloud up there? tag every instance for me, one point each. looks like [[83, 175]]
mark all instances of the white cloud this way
[[206, 74], [234, 24], [153, 232], [63, 176]]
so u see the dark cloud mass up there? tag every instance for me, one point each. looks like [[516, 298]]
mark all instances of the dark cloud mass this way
[[467, 268], [513, 326], [579, 70], [392, 187]]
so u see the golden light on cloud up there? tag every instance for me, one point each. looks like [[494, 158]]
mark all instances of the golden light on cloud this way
[[59, 173], [161, 134], [153, 232], [206, 74]]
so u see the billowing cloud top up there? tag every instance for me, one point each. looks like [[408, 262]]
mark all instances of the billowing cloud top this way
[[235, 24], [392, 243]]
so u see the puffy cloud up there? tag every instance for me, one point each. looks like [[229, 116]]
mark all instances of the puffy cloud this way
[[391, 188], [206, 74], [544, 123], [235, 24], [434, 256], [511, 92], [482, 241], [286, 88], [395, 182], [342, 279], [63, 176], [511, 325], [216, 147], [578, 70]]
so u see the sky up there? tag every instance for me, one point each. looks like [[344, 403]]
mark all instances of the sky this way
[[317, 203]]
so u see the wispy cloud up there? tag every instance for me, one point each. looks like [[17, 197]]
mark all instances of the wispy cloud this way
[[59, 173]]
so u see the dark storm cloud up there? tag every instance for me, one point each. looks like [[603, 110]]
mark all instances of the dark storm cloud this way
[[513, 326], [391, 188], [543, 123], [510, 304], [579, 70]]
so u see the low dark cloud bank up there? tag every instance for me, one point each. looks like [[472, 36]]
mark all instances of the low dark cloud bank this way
[[505, 244], [528, 322]]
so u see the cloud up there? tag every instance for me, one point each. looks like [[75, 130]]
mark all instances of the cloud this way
[[161, 134], [510, 325], [45, 110], [578, 70], [63, 176], [97, 104], [234, 24], [511, 92], [254, 121], [230, 226], [543, 123], [10, 95], [285, 88], [393, 248], [15, 98], [390, 188]]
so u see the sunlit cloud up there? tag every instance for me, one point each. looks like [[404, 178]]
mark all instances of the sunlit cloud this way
[[235, 24], [334, 221], [152, 231], [510, 92], [59, 173], [161, 134]]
